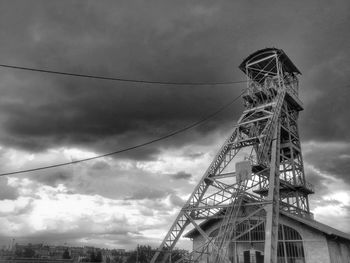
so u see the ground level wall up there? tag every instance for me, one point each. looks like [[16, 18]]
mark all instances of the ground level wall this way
[[318, 247]]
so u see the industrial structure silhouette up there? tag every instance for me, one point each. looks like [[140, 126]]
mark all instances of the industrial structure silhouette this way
[[251, 205]]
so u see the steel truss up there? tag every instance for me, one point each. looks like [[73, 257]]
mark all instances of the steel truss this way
[[268, 128]]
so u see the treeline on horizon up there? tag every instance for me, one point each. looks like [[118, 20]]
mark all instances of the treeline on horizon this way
[[142, 254]]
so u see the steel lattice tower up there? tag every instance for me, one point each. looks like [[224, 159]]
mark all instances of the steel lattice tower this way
[[245, 194]]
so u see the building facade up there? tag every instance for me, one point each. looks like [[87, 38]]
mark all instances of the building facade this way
[[300, 240]]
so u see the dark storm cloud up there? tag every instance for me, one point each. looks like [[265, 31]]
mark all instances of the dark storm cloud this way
[[160, 40], [182, 175], [332, 159], [101, 165], [53, 177], [327, 118], [176, 201], [193, 155], [53, 111], [7, 191], [147, 193]]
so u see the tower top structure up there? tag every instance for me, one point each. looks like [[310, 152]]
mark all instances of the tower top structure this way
[[261, 58]]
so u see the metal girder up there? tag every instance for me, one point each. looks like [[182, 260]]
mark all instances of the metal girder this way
[[260, 60], [272, 210], [224, 194], [227, 225], [269, 128]]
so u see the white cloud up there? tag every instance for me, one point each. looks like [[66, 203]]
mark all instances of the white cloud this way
[[331, 201], [55, 210], [119, 203]]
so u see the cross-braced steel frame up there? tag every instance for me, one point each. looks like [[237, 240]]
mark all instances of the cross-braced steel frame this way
[[268, 129]]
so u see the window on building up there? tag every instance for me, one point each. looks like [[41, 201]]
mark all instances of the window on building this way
[[249, 247]]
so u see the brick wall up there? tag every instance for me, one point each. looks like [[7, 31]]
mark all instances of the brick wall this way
[[314, 242]]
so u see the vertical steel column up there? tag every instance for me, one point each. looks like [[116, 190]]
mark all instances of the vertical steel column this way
[[272, 209]]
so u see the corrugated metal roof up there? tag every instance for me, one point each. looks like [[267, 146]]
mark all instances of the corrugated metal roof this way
[[318, 226]]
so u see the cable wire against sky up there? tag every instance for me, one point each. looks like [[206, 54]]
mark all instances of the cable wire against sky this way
[[118, 78], [188, 127]]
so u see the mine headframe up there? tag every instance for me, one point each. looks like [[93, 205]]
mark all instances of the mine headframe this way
[[258, 171]]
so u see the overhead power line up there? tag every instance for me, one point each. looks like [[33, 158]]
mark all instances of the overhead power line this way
[[118, 78], [188, 127]]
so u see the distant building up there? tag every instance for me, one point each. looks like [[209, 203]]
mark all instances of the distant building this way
[[76, 253], [88, 250], [54, 254], [42, 252], [119, 251]]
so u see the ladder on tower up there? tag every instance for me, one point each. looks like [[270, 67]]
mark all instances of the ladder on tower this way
[[264, 150], [227, 226]]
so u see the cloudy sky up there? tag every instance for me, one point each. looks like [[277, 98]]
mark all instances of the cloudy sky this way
[[123, 200]]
